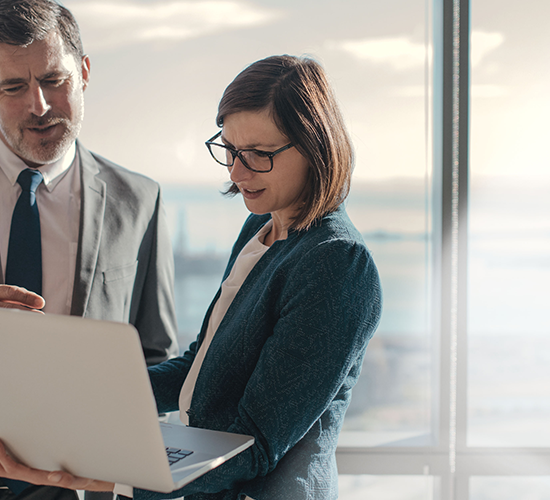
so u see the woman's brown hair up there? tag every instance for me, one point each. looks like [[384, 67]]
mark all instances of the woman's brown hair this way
[[303, 106]]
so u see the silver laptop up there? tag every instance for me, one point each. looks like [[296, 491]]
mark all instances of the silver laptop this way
[[75, 395]]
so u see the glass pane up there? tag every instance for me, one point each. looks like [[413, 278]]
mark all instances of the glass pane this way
[[360, 487], [390, 203], [391, 403], [159, 70], [509, 488], [204, 227], [509, 254]]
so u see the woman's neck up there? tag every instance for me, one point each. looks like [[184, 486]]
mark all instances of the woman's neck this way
[[279, 231]]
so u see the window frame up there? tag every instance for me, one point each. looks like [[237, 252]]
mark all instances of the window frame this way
[[450, 459]]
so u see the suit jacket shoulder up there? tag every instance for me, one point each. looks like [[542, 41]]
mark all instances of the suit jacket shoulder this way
[[125, 268], [121, 182]]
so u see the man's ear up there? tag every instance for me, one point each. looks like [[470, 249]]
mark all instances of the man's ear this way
[[85, 69]]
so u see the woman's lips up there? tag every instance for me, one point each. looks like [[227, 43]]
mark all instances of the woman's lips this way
[[251, 194]]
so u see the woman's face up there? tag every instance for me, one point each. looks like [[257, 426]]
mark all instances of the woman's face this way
[[279, 192]]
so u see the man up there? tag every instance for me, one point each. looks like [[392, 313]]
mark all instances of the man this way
[[101, 246]]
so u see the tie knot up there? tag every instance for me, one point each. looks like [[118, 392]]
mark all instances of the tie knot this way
[[30, 179]]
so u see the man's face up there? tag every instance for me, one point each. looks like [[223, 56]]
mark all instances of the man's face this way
[[41, 99]]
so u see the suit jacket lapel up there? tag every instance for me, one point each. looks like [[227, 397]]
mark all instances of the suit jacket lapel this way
[[92, 211]]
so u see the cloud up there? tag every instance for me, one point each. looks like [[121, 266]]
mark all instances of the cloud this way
[[488, 91], [482, 44], [111, 24], [476, 91], [411, 91], [401, 53], [398, 52]]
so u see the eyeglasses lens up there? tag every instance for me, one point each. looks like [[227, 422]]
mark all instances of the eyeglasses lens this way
[[252, 159]]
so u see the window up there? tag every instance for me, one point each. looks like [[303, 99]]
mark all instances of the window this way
[[509, 229], [449, 192]]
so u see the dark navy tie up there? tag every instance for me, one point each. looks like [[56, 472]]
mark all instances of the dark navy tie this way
[[24, 262]]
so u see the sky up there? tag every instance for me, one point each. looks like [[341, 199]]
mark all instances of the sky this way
[[160, 67]]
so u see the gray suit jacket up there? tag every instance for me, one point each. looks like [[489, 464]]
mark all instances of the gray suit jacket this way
[[125, 265]]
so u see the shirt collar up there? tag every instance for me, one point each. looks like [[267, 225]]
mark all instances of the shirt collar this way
[[12, 166]]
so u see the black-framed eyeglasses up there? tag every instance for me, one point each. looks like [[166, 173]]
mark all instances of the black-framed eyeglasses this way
[[253, 159]]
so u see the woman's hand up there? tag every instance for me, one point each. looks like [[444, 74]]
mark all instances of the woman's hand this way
[[16, 297], [11, 469]]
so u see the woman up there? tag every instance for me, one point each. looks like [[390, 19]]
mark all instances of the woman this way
[[283, 341]]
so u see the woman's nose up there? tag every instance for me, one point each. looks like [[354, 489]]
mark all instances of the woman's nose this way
[[238, 172]]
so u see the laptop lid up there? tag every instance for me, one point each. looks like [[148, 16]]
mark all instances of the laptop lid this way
[[75, 395]]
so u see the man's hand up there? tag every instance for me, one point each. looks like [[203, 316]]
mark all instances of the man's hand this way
[[11, 469], [15, 297]]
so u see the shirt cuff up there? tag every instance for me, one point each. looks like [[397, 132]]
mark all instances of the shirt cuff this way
[[123, 490]]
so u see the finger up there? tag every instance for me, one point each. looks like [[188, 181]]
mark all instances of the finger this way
[[15, 297], [11, 469], [16, 306], [3, 457], [68, 481]]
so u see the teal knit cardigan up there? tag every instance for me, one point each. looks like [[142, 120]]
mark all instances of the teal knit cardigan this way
[[282, 364]]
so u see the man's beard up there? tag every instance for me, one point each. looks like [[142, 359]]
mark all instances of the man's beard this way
[[46, 150]]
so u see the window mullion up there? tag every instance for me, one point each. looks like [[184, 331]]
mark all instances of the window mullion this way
[[454, 186], [463, 140]]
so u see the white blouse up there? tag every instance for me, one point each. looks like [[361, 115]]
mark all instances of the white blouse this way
[[247, 259]]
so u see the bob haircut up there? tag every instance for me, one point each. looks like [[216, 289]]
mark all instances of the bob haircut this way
[[296, 92], [25, 21]]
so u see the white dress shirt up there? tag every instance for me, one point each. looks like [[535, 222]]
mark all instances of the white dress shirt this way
[[58, 200]]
